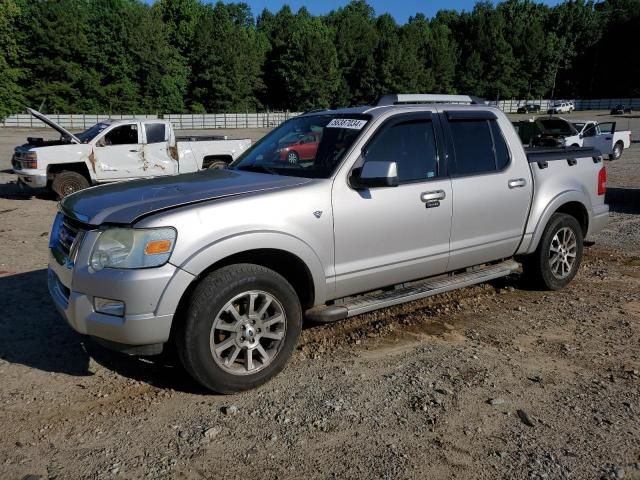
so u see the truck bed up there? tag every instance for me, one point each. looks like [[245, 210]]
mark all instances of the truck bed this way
[[550, 154]]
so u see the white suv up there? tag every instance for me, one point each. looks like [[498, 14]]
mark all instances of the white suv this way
[[561, 107]]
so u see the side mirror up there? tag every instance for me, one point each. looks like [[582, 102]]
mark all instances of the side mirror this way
[[581, 135], [376, 174]]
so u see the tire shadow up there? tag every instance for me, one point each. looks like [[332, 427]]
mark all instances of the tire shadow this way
[[33, 334], [14, 191]]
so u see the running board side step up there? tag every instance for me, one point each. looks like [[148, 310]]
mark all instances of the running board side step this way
[[410, 292]]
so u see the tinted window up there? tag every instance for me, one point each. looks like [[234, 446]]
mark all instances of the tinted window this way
[[411, 145], [502, 152], [473, 146], [124, 135], [155, 132], [479, 146]]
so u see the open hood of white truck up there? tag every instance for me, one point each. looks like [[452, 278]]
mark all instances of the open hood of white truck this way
[[63, 131]]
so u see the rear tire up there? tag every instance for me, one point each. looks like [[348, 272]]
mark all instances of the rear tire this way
[[67, 182], [293, 157], [217, 165], [233, 311], [558, 256], [617, 151]]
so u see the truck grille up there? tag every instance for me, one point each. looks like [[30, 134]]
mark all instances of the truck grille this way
[[65, 238]]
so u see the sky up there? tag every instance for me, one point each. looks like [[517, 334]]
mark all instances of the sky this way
[[400, 9]]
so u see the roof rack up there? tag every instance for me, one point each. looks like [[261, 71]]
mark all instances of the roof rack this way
[[415, 98]]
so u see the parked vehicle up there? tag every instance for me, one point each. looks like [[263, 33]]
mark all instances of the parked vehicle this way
[[603, 136], [555, 132], [529, 108], [402, 201], [620, 109], [299, 147], [561, 107], [115, 150], [559, 132]]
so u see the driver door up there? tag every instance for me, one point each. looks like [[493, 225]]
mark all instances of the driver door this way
[[388, 235], [118, 152]]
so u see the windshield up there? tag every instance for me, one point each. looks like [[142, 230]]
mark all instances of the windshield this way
[[90, 133], [306, 146], [579, 126]]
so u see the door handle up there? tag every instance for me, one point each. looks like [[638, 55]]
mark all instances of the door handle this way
[[435, 195], [136, 151], [517, 182]]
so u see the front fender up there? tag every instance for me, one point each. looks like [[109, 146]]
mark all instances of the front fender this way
[[225, 247], [541, 214]]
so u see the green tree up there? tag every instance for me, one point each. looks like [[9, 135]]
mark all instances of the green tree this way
[[11, 94], [301, 69], [227, 60], [161, 72], [355, 40], [56, 55]]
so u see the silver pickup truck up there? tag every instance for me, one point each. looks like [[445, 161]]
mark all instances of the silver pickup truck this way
[[389, 204]]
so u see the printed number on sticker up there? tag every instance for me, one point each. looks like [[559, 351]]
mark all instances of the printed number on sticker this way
[[347, 123]]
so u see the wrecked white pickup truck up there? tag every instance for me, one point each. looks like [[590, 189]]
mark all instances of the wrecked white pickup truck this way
[[115, 150]]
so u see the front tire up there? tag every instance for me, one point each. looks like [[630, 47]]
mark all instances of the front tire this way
[[617, 151], [557, 259], [67, 182], [241, 326]]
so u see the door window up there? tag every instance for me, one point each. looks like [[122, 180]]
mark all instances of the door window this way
[[479, 146], [411, 145], [607, 127], [155, 132], [122, 135]]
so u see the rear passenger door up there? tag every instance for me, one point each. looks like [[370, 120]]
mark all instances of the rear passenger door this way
[[492, 188], [157, 160]]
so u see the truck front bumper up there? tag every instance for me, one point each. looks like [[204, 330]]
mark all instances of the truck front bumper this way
[[31, 178], [150, 297]]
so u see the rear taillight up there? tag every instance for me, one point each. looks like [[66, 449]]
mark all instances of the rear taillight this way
[[602, 181]]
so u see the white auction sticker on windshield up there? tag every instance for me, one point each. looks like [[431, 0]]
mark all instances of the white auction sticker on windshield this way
[[351, 123]]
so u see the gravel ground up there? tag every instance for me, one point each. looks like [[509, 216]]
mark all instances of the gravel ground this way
[[492, 381]]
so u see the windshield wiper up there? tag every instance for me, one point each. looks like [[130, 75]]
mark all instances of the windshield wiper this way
[[257, 168]]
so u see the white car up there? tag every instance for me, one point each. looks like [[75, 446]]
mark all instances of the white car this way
[[561, 107], [115, 150]]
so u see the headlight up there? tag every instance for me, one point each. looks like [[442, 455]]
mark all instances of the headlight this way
[[29, 160], [133, 248]]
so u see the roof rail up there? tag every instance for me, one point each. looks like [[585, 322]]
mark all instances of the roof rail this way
[[414, 98]]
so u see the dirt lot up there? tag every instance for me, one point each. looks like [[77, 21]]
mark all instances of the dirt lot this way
[[493, 381]]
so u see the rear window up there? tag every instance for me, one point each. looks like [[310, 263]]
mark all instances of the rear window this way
[[479, 147], [155, 132]]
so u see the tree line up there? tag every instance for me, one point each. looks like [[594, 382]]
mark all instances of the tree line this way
[[128, 56]]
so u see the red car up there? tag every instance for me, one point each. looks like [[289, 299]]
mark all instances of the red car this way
[[299, 146]]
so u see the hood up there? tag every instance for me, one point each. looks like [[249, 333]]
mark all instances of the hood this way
[[127, 202], [61, 130]]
